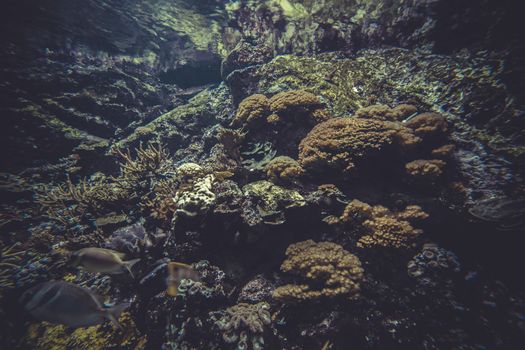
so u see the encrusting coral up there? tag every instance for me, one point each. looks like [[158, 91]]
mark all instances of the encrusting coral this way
[[243, 324], [283, 169], [327, 269], [383, 227], [342, 143]]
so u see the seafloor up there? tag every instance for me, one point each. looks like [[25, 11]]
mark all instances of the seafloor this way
[[341, 174]]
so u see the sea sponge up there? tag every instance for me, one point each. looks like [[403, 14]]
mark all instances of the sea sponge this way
[[426, 170], [384, 112], [342, 143], [283, 169], [245, 323], [252, 110], [382, 227], [328, 270], [428, 125]]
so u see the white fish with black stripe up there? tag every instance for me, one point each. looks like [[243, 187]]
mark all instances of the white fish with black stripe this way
[[66, 303]]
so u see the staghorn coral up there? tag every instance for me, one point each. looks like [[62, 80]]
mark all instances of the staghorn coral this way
[[425, 170], [383, 227], [10, 259], [150, 162], [383, 112], [328, 270], [68, 203], [252, 110], [342, 143], [283, 169], [160, 205], [244, 324]]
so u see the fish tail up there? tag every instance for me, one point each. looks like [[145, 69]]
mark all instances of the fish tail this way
[[129, 264], [113, 313]]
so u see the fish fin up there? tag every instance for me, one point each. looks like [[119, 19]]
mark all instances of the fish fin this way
[[129, 264], [113, 313]]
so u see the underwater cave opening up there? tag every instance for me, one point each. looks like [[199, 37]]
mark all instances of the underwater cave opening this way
[[191, 76]]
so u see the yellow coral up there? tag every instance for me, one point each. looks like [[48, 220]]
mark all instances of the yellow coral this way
[[383, 112], [294, 100], [251, 110], [341, 143], [283, 169], [381, 226], [425, 170], [328, 269], [45, 336], [428, 125]]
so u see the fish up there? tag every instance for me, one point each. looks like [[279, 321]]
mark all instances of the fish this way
[[102, 260], [68, 304], [177, 272]]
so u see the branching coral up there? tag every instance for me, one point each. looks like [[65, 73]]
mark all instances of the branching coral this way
[[244, 324], [328, 269], [149, 162], [283, 169], [343, 143], [69, 202], [9, 260], [381, 226]]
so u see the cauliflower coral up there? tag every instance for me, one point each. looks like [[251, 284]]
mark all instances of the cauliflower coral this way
[[382, 227], [343, 143], [327, 270]]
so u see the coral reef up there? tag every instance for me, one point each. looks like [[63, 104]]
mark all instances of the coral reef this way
[[433, 265], [283, 169], [382, 227], [328, 269], [341, 144], [244, 324], [245, 131], [425, 170]]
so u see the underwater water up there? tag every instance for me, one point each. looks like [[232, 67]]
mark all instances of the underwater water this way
[[262, 174]]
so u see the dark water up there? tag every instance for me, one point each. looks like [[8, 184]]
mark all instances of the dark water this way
[[284, 174]]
